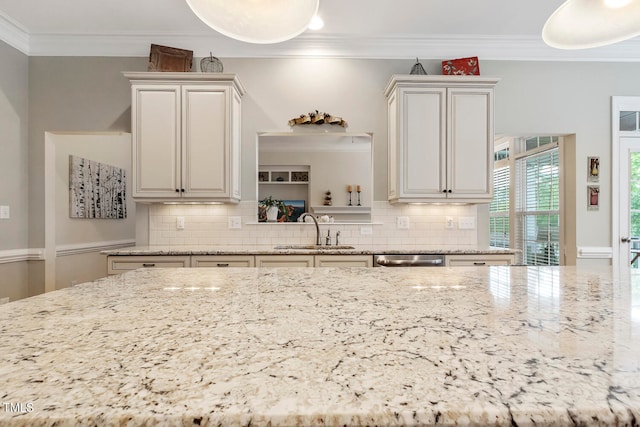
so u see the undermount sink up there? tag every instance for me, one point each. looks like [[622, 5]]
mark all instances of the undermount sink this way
[[314, 247]]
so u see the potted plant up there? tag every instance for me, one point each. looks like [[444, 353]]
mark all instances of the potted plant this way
[[272, 207]]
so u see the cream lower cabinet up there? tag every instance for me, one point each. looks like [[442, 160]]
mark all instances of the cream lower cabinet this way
[[284, 260], [440, 139], [222, 261], [117, 264], [479, 260], [343, 261], [123, 263], [186, 136]]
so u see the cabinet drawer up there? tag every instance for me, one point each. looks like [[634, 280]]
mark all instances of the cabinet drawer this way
[[478, 260], [222, 261], [120, 264], [284, 261], [344, 261]]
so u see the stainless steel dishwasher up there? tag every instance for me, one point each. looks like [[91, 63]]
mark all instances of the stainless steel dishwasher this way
[[406, 260]]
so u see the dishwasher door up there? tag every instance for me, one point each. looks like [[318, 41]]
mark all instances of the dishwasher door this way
[[404, 260]]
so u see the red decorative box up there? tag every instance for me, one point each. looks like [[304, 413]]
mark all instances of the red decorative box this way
[[461, 66]]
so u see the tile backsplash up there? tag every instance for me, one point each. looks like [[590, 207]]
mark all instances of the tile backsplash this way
[[210, 225]]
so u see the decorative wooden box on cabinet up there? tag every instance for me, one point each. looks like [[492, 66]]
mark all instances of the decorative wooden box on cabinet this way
[[440, 138], [186, 136]]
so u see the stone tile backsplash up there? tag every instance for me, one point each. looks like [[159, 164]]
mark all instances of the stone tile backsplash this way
[[209, 225]]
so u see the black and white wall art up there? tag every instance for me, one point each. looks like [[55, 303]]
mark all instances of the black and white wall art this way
[[96, 190]]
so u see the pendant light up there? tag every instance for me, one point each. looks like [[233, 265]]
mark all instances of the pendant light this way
[[256, 21], [580, 24]]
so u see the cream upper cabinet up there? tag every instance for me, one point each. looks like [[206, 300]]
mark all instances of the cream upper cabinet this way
[[186, 136], [440, 138]]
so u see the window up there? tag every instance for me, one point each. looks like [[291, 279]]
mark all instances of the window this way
[[525, 211], [499, 229]]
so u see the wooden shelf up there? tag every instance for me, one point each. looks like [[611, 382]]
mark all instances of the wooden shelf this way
[[341, 209]]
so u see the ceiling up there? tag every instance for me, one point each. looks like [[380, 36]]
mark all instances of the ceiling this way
[[427, 29]]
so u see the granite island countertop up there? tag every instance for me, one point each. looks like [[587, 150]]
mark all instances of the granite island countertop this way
[[332, 346], [270, 250]]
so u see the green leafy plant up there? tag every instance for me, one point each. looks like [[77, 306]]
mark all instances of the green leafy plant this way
[[269, 202]]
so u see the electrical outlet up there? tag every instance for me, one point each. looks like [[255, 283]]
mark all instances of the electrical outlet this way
[[5, 212], [466, 223], [366, 230], [402, 222], [180, 223], [449, 223], [235, 222]]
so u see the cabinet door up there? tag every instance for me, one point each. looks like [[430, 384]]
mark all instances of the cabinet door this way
[[470, 143], [422, 155], [222, 261], [205, 142], [344, 261], [284, 261], [117, 264], [156, 141]]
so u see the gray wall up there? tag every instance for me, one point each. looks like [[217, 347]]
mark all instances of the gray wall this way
[[14, 168], [90, 94], [14, 89]]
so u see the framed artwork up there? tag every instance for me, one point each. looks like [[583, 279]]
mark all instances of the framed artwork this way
[[295, 208], [593, 197], [96, 190], [593, 169]]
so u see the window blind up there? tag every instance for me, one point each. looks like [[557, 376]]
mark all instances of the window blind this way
[[537, 208], [499, 209]]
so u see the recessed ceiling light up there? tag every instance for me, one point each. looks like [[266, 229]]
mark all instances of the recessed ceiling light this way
[[316, 23]]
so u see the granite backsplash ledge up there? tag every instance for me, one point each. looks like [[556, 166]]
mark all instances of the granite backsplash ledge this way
[[209, 225]]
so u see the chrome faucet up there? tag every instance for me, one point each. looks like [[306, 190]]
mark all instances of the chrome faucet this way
[[302, 218]]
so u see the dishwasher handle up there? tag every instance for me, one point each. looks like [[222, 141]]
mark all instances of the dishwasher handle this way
[[408, 263]]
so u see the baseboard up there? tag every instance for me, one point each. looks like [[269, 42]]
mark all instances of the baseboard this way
[[20, 255], [83, 248]]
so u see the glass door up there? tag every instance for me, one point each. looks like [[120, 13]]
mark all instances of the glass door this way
[[629, 240]]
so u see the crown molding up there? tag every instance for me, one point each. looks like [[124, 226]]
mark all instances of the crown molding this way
[[520, 48], [14, 34]]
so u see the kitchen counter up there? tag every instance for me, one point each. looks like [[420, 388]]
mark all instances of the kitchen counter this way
[[265, 250], [332, 346]]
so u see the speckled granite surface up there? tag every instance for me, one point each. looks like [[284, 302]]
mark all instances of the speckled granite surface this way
[[264, 250], [464, 346]]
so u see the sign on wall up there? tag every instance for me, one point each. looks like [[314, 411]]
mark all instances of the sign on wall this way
[[96, 190]]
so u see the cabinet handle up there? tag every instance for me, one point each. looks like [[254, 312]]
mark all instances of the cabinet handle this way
[[148, 265], [182, 190], [444, 191], [177, 190], [223, 264], [479, 263], [449, 191]]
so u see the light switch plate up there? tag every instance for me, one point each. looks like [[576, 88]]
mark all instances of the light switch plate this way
[[235, 222], [466, 223], [402, 222], [5, 212], [366, 230], [180, 223]]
